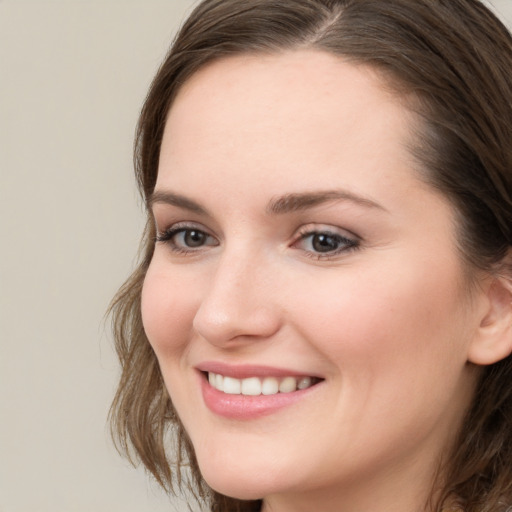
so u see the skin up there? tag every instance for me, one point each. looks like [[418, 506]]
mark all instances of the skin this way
[[385, 320]]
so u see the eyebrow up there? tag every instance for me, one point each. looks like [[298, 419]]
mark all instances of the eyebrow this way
[[287, 203], [176, 200], [304, 201]]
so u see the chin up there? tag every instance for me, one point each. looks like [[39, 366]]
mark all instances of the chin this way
[[243, 488], [247, 483]]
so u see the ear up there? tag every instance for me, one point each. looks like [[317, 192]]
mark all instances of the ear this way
[[493, 341]]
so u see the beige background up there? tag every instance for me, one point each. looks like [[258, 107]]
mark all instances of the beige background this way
[[73, 75]]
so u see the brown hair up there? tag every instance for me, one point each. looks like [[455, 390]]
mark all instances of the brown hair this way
[[455, 58]]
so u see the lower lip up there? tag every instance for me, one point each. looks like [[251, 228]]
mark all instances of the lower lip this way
[[243, 407]]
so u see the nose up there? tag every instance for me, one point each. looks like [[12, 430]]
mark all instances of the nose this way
[[239, 302]]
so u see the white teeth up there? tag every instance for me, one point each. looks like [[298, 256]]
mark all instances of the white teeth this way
[[251, 386], [254, 386], [232, 386], [288, 384], [270, 386], [219, 382]]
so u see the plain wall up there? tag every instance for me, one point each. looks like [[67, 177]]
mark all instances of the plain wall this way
[[73, 75]]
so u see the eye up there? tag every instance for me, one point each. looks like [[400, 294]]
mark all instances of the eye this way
[[325, 243], [191, 238], [186, 238]]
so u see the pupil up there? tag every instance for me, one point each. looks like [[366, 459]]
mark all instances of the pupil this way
[[324, 243], [194, 238]]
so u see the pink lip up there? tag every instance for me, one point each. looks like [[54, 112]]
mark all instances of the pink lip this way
[[246, 371], [242, 407]]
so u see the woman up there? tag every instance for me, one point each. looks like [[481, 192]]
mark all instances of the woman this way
[[322, 317]]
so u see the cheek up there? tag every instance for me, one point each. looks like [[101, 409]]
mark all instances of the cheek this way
[[396, 352], [167, 308], [388, 322]]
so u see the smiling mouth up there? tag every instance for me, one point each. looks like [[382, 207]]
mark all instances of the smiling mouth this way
[[255, 386]]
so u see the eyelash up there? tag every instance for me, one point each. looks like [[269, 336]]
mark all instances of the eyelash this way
[[168, 235], [347, 244]]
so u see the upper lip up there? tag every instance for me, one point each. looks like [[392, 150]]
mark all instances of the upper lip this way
[[244, 371]]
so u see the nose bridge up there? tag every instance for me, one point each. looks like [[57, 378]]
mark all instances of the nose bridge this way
[[238, 301]]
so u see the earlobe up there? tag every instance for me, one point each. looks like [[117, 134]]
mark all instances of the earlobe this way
[[493, 341]]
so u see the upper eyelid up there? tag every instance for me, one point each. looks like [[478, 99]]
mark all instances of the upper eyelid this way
[[309, 229], [182, 225], [300, 232], [351, 239], [166, 216]]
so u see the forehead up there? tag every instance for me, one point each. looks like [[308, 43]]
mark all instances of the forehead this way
[[301, 82], [297, 113]]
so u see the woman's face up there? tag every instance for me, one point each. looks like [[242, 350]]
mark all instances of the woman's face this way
[[298, 249]]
